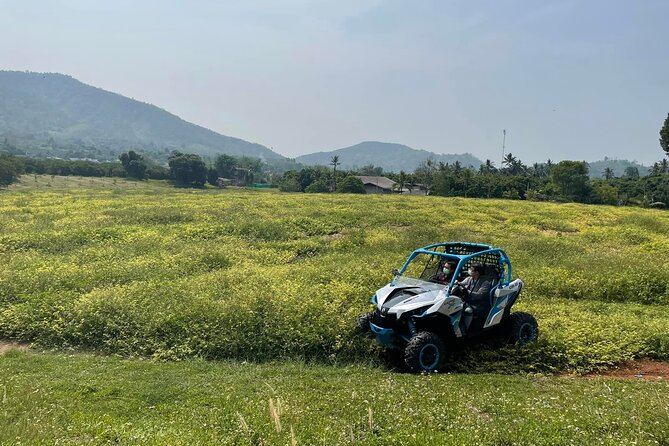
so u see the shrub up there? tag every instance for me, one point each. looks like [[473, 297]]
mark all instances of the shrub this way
[[317, 187], [10, 169], [351, 185], [133, 163], [260, 275], [187, 168]]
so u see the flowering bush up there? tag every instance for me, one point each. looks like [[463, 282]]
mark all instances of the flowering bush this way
[[176, 273]]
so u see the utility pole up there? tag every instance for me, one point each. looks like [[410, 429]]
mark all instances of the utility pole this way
[[503, 146]]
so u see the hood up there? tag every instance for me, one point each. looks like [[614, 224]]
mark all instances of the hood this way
[[404, 294], [408, 286]]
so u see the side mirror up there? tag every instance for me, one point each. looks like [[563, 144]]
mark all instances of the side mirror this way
[[396, 272]]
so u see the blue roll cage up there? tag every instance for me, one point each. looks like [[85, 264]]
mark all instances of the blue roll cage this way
[[462, 259]]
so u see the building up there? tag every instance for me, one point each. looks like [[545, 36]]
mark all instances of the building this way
[[378, 185], [383, 185]]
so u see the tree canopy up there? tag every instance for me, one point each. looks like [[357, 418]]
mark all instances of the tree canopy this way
[[10, 169], [134, 164], [351, 185], [571, 178], [187, 168], [664, 136]]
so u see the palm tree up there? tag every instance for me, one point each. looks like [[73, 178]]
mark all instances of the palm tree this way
[[509, 162], [608, 173], [509, 159], [467, 177], [513, 165], [488, 167], [402, 181], [334, 162], [655, 169], [537, 170], [664, 166]]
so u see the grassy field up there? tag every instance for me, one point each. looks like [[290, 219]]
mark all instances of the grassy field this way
[[82, 399], [60, 183], [260, 275], [177, 276]]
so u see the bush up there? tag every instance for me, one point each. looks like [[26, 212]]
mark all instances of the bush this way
[[317, 187], [187, 168], [134, 165], [10, 169], [262, 275], [604, 193], [351, 185], [290, 182], [155, 172]]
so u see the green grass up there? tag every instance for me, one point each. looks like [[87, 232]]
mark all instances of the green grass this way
[[138, 269], [80, 399], [260, 275], [60, 183]]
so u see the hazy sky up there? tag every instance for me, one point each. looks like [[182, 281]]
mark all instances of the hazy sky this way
[[574, 79]]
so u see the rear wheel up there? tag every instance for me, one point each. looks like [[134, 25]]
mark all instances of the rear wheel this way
[[425, 352], [523, 328]]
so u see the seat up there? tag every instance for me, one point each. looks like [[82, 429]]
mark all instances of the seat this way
[[493, 274]]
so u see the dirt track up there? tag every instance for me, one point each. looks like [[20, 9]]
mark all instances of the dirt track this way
[[6, 346], [640, 369], [643, 369]]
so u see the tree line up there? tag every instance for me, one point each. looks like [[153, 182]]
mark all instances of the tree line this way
[[563, 181], [182, 168]]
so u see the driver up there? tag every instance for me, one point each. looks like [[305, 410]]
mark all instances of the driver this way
[[445, 273], [477, 288]]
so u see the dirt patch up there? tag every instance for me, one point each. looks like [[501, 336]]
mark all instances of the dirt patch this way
[[334, 236], [644, 369], [6, 346]]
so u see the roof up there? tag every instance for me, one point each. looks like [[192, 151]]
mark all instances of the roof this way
[[382, 182], [456, 249]]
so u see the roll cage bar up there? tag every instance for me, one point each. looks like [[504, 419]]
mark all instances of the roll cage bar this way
[[463, 252]]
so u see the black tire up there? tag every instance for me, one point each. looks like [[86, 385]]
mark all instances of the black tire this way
[[523, 328], [425, 352], [362, 322]]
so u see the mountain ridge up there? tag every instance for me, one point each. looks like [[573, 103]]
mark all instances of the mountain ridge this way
[[53, 114], [392, 157]]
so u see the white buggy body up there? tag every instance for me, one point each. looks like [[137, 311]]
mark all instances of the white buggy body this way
[[422, 311]]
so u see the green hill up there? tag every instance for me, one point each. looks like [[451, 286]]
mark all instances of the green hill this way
[[48, 114], [391, 157], [618, 166]]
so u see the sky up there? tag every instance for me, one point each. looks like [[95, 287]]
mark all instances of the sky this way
[[568, 79]]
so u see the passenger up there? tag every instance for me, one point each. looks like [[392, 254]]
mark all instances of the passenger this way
[[445, 273], [477, 288]]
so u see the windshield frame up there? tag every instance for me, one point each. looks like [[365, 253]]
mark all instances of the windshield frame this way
[[462, 260], [432, 262]]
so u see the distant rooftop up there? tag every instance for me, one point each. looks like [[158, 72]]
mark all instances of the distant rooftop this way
[[382, 182]]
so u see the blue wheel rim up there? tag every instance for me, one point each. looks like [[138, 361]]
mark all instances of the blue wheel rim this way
[[429, 357]]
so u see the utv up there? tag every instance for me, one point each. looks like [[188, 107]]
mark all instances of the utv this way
[[423, 313]]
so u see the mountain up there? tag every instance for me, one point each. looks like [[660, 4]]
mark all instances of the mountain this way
[[391, 157], [597, 167], [49, 114]]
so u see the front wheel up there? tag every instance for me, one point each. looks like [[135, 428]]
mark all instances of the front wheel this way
[[425, 352], [362, 322], [523, 328]]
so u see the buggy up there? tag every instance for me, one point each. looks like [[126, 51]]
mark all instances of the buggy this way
[[422, 314]]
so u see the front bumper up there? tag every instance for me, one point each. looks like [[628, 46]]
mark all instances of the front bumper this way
[[384, 336]]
